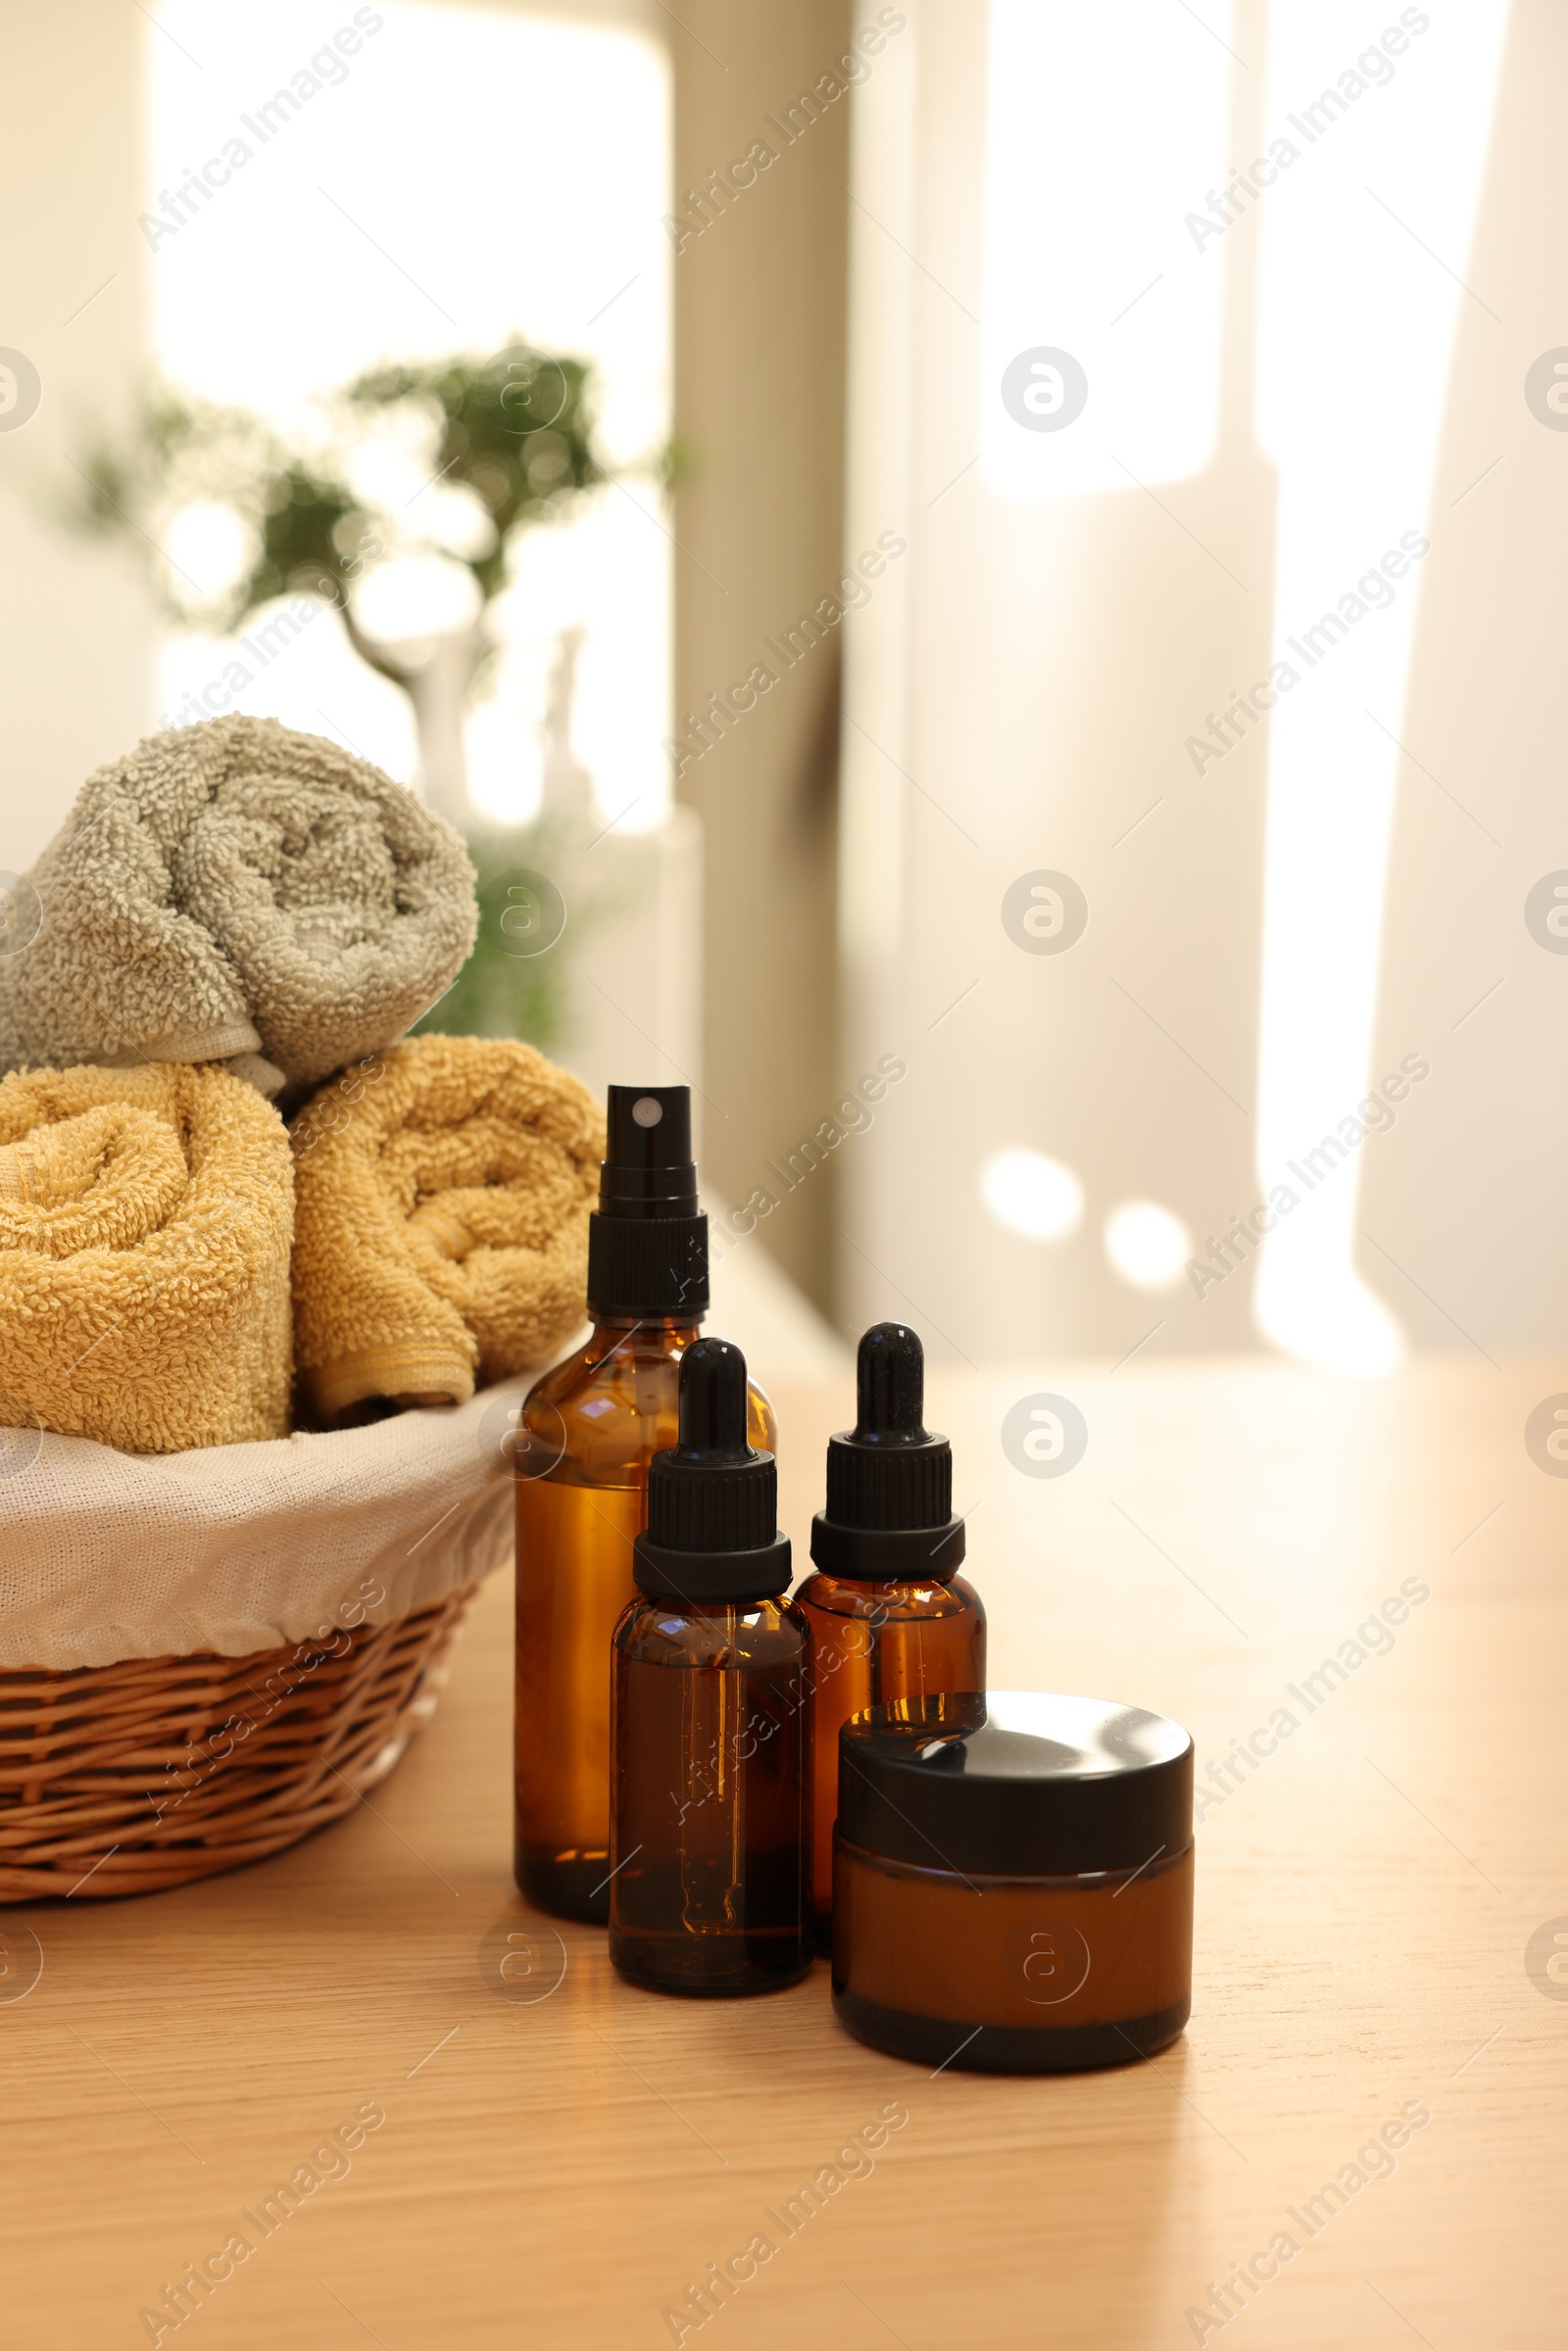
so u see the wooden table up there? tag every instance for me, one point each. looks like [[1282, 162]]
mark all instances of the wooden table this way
[[556, 2172]]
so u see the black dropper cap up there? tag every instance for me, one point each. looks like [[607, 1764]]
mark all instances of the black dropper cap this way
[[713, 1502], [889, 1516], [648, 1239]]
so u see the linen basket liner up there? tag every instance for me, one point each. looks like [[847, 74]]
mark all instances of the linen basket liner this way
[[240, 1548]]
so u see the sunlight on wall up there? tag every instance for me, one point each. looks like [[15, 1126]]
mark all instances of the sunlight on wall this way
[[1032, 1195], [1357, 332], [1103, 126], [1148, 1245], [324, 251]]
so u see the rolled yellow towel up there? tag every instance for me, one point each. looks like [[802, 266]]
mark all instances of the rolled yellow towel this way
[[442, 1233], [145, 1222]]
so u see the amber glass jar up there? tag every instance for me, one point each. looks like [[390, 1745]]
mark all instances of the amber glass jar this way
[[710, 1825], [586, 1435], [1012, 1887], [892, 1622]]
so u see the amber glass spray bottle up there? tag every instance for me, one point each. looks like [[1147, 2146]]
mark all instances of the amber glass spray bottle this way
[[709, 1892], [587, 1434], [890, 1617]]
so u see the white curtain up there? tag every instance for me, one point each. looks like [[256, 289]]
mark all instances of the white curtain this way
[[1159, 317]]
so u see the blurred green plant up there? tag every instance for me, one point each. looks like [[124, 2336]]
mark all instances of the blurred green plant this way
[[515, 430], [501, 992]]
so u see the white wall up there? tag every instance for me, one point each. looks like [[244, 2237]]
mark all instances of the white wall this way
[[75, 625]]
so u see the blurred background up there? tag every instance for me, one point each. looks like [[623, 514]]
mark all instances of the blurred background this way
[[985, 583]]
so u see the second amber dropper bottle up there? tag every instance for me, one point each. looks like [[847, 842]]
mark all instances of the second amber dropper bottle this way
[[710, 1823], [586, 1435]]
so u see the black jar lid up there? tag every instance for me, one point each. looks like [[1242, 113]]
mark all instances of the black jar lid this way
[[1016, 1783]]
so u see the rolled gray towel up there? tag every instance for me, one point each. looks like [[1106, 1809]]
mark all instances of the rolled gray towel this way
[[237, 892]]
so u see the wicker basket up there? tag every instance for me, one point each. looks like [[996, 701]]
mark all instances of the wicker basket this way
[[133, 1778]]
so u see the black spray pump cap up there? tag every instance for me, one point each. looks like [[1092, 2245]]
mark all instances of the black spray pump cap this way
[[712, 1501], [889, 1516], [648, 1239]]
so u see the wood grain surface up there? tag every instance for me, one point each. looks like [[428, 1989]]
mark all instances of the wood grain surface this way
[[560, 2170]]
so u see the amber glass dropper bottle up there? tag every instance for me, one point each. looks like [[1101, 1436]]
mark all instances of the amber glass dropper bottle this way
[[890, 1617], [587, 1434], [709, 1892]]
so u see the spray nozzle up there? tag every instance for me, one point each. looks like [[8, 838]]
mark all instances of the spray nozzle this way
[[647, 1168], [648, 1239]]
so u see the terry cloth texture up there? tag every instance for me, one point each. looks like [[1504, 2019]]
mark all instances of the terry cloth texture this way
[[244, 1547], [234, 890], [145, 1221], [442, 1233]]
